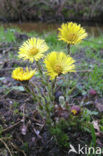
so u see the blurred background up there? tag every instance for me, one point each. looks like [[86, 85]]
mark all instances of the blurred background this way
[[49, 13], [51, 10]]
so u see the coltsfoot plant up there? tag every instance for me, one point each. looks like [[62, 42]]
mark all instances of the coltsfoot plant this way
[[51, 67]]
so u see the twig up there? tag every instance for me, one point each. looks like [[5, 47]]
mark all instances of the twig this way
[[14, 146], [7, 129], [6, 146], [37, 134]]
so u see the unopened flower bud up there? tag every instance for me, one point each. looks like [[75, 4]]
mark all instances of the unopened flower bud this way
[[62, 101], [92, 92]]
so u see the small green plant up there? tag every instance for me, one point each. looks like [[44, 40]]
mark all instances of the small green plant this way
[[59, 131]]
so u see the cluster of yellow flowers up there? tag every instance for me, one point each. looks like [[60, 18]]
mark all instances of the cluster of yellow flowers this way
[[56, 63]]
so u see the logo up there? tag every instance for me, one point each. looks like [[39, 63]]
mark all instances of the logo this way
[[85, 150], [72, 149]]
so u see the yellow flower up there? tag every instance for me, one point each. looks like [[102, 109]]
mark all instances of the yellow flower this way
[[74, 111], [59, 63], [33, 49], [71, 33], [22, 75]]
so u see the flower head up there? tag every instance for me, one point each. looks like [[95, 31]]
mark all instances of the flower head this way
[[75, 110], [33, 49], [23, 75], [59, 63], [71, 33]]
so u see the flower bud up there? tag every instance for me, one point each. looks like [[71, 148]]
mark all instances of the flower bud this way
[[62, 101], [75, 110], [92, 92]]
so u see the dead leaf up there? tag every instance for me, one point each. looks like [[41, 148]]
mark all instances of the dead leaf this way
[[98, 141], [61, 112], [96, 125], [99, 106]]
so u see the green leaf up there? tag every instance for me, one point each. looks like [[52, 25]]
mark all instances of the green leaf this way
[[93, 135], [2, 78], [20, 88]]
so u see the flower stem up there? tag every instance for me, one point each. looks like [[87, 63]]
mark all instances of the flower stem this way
[[39, 68], [68, 49], [29, 91], [50, 89], [45, 82], [53, 87]]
